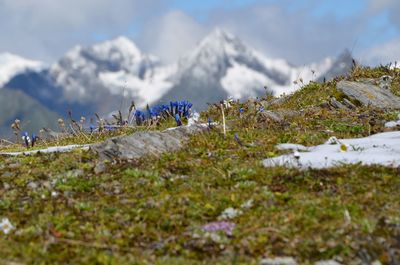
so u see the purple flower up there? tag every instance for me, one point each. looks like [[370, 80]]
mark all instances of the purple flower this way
[[226, 227]]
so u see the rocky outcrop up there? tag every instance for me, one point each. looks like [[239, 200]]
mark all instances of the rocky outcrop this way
[[369, 94], [146, 143]]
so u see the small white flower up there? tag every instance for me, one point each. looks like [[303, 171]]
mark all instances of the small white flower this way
[[6, 226], [194, 118], [54, 194], [248, 204], [332, 140], [26, 138], [228, 102], [229, 213]]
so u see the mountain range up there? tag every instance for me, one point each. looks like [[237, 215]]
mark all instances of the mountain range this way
[[106, 76]]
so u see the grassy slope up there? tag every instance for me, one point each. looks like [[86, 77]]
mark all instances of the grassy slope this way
[[148, 211]]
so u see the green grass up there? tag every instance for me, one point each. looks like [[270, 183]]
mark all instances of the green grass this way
[[150, 211]]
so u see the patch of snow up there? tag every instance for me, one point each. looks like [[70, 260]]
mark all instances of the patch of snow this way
[[297, 147], [379, 149], [11, 65], [392, 124], [53, 149]]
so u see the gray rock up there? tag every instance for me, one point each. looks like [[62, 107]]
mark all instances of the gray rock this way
[[327, 262], [385, 82], [368, 81], [32, 185], [99, 168], [278, 261], [274, 101], [336, 104], [146, 143], [76, 173], [272, 116], [8, 174], [6, 186], [14, 165], [348, 104], [370, 95]]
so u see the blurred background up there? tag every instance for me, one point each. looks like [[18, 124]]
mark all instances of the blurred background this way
[[96, 56]]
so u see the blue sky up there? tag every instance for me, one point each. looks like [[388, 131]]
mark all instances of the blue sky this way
[[300, 31]]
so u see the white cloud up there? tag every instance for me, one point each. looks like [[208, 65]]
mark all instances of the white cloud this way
[[385, 53], [296, 36], [172, 35], [45, 29]]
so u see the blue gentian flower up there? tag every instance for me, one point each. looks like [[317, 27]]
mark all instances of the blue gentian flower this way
[[34, 139], [176, 109], [178, 120], [241, 110], [109, 127], [26, 139], [92, 128], [209, 121]]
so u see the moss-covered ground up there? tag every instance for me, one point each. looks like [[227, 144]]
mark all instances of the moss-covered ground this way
[[151, 211]]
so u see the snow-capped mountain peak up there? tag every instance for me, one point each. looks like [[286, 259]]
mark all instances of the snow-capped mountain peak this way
[[88, 73], [100, 77], [218, 45], [220, 41], [120, 50], [222, 65], [11, 65], [121, 43]]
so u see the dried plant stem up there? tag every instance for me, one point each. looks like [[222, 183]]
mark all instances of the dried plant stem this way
[[6, 141], [223, 119]]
